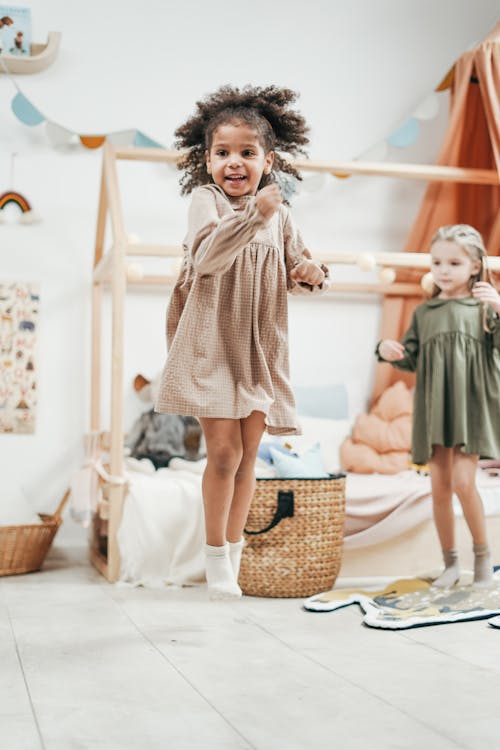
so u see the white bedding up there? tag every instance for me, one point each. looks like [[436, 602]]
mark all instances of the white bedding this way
[[161, 534]]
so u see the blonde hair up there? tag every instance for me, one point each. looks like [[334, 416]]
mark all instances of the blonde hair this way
[[470, 240]]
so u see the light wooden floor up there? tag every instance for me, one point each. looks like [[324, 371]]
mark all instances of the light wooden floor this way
[[86, 665]]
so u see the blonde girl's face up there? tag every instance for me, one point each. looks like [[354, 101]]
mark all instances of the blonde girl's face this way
[[452, 268], [237, 160]]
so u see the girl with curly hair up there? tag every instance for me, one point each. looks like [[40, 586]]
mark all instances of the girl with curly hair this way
[[227, 331]]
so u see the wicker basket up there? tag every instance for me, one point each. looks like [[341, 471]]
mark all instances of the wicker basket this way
[[23, 548], [294, 537]]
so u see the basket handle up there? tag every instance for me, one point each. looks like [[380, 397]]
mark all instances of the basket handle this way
[[284, 510], [61, 505]]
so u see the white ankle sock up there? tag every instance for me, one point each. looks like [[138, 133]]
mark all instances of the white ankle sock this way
[[483, 570], [220, 577], [235, 550], [451, 572]]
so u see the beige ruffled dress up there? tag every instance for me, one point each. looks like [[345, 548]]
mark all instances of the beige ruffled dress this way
[[227, 321]]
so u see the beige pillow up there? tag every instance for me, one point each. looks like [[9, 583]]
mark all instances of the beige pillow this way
[[362, 459], [381, 435], [394, 402]]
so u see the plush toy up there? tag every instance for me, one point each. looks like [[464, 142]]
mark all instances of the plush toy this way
[[161, 437]]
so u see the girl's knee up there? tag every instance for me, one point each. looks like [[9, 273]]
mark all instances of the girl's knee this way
[[442, 486], [225, 459], [464, 485], [245, 472]]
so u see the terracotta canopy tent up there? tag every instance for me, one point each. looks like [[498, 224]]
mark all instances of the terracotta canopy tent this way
[[472, 140]]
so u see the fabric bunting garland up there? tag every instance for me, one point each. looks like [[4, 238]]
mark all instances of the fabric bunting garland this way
[[403, 137], [60, 137]]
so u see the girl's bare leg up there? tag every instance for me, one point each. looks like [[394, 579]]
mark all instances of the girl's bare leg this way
[[252, 429], [440, 466], [224, 452], [464, 485]]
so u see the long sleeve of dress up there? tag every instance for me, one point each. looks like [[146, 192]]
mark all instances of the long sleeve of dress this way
[[410, 342], [493, 321], [212, 242], [295, 253]]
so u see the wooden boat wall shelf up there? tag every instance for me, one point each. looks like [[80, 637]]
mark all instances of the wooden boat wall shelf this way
[[42, 55]]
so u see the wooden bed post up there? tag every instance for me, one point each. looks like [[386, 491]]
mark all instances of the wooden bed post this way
[[118, 289], [95, 408], [96, 557]]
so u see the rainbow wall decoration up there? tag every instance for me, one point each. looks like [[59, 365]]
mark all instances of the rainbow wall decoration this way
[[28, 216]]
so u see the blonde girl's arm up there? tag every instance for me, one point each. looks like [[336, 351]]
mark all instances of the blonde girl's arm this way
[[213, 243], [488, 295], [402, 356], [303, 274]]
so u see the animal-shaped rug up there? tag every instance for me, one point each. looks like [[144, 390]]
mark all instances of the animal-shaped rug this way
[[414, 602]]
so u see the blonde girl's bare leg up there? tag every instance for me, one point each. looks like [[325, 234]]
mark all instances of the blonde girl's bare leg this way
[[440, 466], [464, 485], [224, 453], [252, 429]]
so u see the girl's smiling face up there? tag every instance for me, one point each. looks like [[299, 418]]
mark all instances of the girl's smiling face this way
[[452, 268], [236, 159]]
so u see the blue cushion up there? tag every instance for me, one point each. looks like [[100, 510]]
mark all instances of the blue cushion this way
[[265, 448], [326, 401], [307, 466]]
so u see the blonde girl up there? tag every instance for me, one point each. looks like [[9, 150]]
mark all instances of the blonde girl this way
[[227, 334], [453, 344]]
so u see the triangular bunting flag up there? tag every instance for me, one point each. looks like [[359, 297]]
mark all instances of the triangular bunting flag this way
[[58, 135], [25, 111], [92, 141], [406, 134], [145, 142], [122, 137]]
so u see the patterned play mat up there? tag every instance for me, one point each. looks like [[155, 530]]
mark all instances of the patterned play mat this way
[[413, 602]]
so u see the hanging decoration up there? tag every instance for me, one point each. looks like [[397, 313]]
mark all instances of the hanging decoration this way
[[25, 111], [60, 137], [12, 197], [407, 133], [403, 137], [27, 215]]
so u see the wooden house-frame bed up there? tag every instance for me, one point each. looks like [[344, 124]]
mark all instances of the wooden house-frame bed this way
[[110, 269]]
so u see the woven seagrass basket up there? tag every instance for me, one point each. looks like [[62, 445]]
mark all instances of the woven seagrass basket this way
[[23, 548], [294, 536]]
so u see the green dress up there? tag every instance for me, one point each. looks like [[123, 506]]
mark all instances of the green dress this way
[[457, 364]]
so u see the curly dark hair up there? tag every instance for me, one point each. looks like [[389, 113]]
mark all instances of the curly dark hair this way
[[266, 109]]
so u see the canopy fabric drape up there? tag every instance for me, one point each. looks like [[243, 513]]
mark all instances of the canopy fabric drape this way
[[472, 140]]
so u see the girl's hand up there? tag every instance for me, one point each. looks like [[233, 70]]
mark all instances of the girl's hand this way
[[308, 272], [391, 350], [268, 200], [485, 292]]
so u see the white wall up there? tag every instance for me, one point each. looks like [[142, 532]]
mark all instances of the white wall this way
[[361, 67]]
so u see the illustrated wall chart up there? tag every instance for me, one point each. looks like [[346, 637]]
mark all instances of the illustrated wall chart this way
[[19, 305]]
